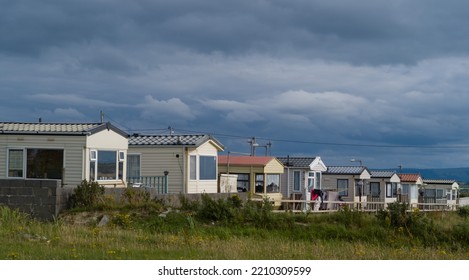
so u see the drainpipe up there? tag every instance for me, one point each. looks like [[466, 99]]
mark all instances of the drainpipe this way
[[184, 174]]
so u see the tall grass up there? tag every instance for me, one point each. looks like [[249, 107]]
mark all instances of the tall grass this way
[[232, 229]]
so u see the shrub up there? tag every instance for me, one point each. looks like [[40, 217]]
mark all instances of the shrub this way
[[463, 211], [135, 197], [187, 204], [215, 210], [87, 194]]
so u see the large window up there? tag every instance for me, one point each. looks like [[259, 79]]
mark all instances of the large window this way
[[259, 183], [296, 181], [440, 193], [391, 189], [273, 182], [430, 193], [243, 182], [374, 189], [208, 168], [342, 187], [405, 188], [40, 163], [133, 166], [106, 165]]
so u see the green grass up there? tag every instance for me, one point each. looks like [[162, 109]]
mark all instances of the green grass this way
[[223, 230]]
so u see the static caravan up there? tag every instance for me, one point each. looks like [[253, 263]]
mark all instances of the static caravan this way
[[348, 181], [258, 175], [70, 152], [188, 160], [302, 174]]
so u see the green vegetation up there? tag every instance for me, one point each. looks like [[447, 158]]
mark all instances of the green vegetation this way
[[138, 227]]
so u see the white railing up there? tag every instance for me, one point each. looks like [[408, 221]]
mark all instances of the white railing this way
[[294, 205]]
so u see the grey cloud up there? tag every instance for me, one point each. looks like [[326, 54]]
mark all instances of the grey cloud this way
[[362, 32], [173, 109]]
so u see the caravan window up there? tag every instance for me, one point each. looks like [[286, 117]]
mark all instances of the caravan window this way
[[39, 163]]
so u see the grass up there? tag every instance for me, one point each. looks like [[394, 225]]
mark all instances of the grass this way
[[225, 231]]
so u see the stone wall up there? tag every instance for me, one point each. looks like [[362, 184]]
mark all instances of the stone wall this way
[[42, 199], [45, 199]]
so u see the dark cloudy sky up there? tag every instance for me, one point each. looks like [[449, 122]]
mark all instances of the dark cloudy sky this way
[[383, 81]]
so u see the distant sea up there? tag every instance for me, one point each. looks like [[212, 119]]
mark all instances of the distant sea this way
[[460, 174]]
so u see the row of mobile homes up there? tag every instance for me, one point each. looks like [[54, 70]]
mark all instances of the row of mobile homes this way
[[69, 152], [73, 152]]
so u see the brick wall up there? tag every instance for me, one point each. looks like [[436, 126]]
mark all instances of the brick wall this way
[[42, 199]]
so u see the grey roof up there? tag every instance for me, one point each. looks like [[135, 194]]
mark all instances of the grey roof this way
[[299, 162], [382, 173], [171, 140], [345, 169], [56, 128], [438, 181]]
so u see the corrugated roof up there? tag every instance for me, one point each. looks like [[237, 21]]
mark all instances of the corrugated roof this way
[[300, 162], [409, 177], [345, 169], [382, 173], [245, 160], [55, 128], [171, 140]]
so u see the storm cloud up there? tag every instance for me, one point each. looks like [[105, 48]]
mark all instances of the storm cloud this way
[[382, 81]]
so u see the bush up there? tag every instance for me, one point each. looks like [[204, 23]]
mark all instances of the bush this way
[[87, 194], [187, 204], [463, 211], [135, 197], [215, 210]]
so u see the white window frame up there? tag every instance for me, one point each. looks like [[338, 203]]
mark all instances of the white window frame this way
[[199, 167], [93, 155], [95, 158], [8, 163], [121, 156], [194, 167]]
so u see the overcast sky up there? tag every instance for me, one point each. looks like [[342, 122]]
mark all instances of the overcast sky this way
[[385, 82]]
